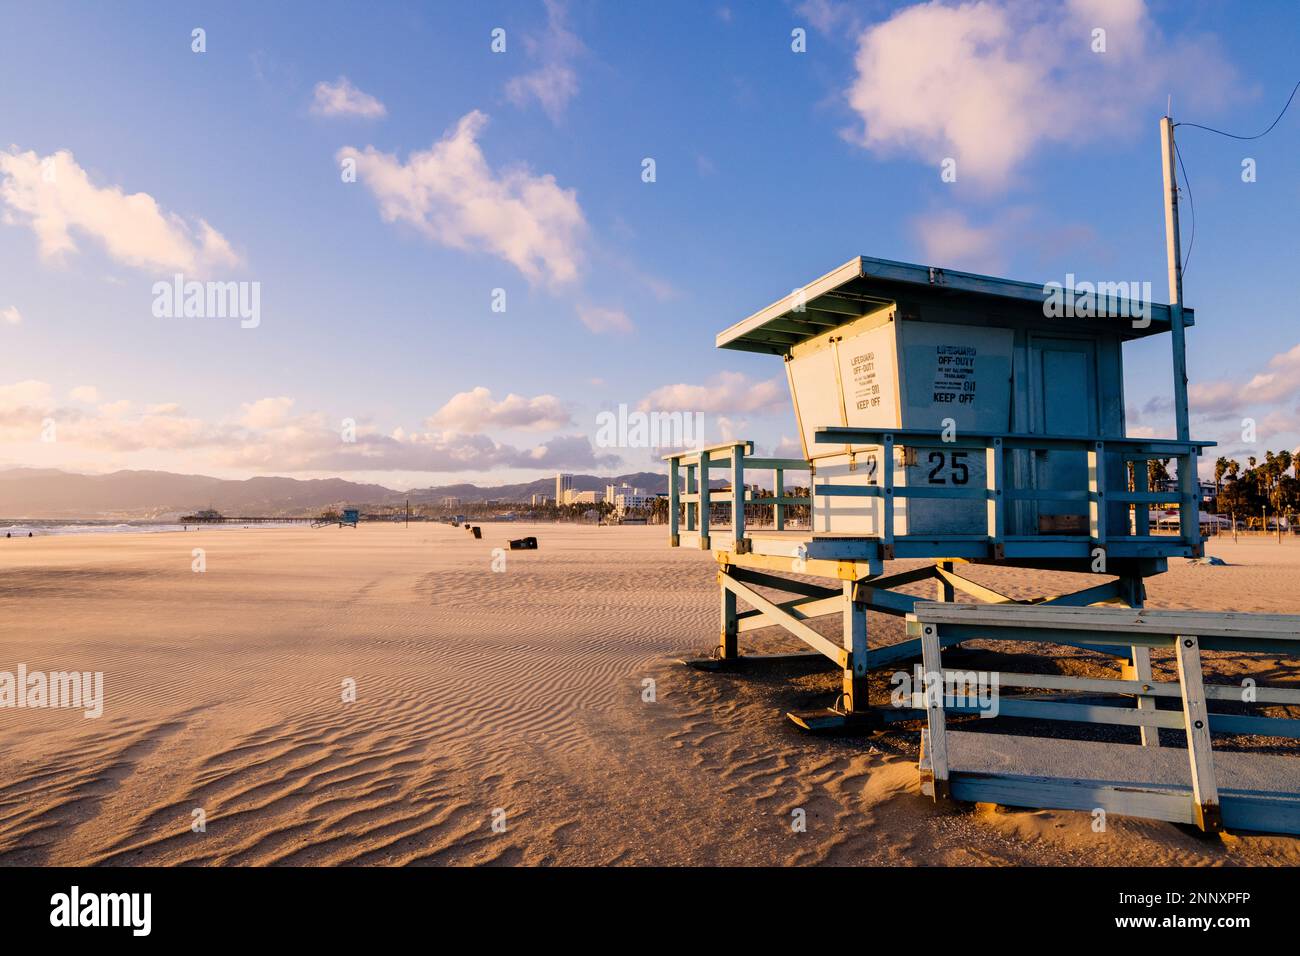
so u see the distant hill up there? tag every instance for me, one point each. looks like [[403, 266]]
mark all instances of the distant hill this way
[[50, 493]]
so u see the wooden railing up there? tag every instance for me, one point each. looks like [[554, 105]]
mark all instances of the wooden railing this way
[[1139, 451], [698, 498], [696, 466]]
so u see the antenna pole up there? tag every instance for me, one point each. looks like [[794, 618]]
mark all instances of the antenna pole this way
[[1173, 248], [1188, 487]]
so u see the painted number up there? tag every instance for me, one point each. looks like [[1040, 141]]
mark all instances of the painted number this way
[[960, 471]]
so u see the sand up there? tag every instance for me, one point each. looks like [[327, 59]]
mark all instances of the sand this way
[[516, 698]]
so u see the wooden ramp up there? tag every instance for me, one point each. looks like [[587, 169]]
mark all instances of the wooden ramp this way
[[1256, 791], [1196, 784]]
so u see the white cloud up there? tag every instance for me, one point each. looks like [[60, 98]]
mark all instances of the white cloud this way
[[265, 436], [266, 412], [476, 409], [11, 315], [601, 320], [730, 393], [85, 393], [341, 98], [986, 83], [1277, 384], [450, 194], [555, 82], [949, 239], [55, 197]]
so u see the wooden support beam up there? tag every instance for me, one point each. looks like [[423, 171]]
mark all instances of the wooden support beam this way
[[953, 579], [728, 642], [855, 644], [1200, 751], [760, 579], [801, 609], [943, 590], [787, 621]]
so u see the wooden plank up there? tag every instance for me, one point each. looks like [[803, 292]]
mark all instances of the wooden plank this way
[[1117, 620], [1200, 750], [932, 663], [787, 621], [1131, 799], [1087, 713], [803, 609]]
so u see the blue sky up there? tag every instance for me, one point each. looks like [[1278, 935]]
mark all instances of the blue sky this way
[[523, 170]]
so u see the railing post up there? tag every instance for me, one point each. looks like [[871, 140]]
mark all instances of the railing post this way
[[738, 497], [673, 502], [778, 515], [691, 482], [728, 640], [1189, 501], [706, 504], [932, 667], [993, 466], [887, 497], [1141, 511], [1097, 494], [1205, 791]]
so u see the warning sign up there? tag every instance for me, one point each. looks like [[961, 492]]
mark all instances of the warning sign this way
[[954, 375]]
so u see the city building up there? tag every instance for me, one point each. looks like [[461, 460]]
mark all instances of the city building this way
[[563, 488]]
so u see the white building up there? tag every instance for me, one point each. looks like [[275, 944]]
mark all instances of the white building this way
[[633, 500], [563, 488]]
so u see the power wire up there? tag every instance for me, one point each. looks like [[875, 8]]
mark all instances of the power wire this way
[[1211, 129], [1191, 203]]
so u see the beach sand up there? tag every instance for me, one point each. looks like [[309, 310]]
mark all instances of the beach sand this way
[[513, 696]]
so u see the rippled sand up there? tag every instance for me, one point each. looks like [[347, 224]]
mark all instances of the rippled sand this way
[[515, 696]]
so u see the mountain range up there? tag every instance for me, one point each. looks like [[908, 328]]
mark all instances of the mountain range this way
[[51, 493]]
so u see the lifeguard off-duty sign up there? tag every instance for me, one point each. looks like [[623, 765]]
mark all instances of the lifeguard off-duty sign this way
[[877, 372]]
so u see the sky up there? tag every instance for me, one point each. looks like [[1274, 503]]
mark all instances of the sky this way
[[463, 230]]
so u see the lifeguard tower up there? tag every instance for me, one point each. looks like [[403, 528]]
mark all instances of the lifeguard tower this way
[[957, 419], [944, 416]]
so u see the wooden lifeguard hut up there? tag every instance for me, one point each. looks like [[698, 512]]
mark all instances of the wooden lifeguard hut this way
[[959, 419]]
